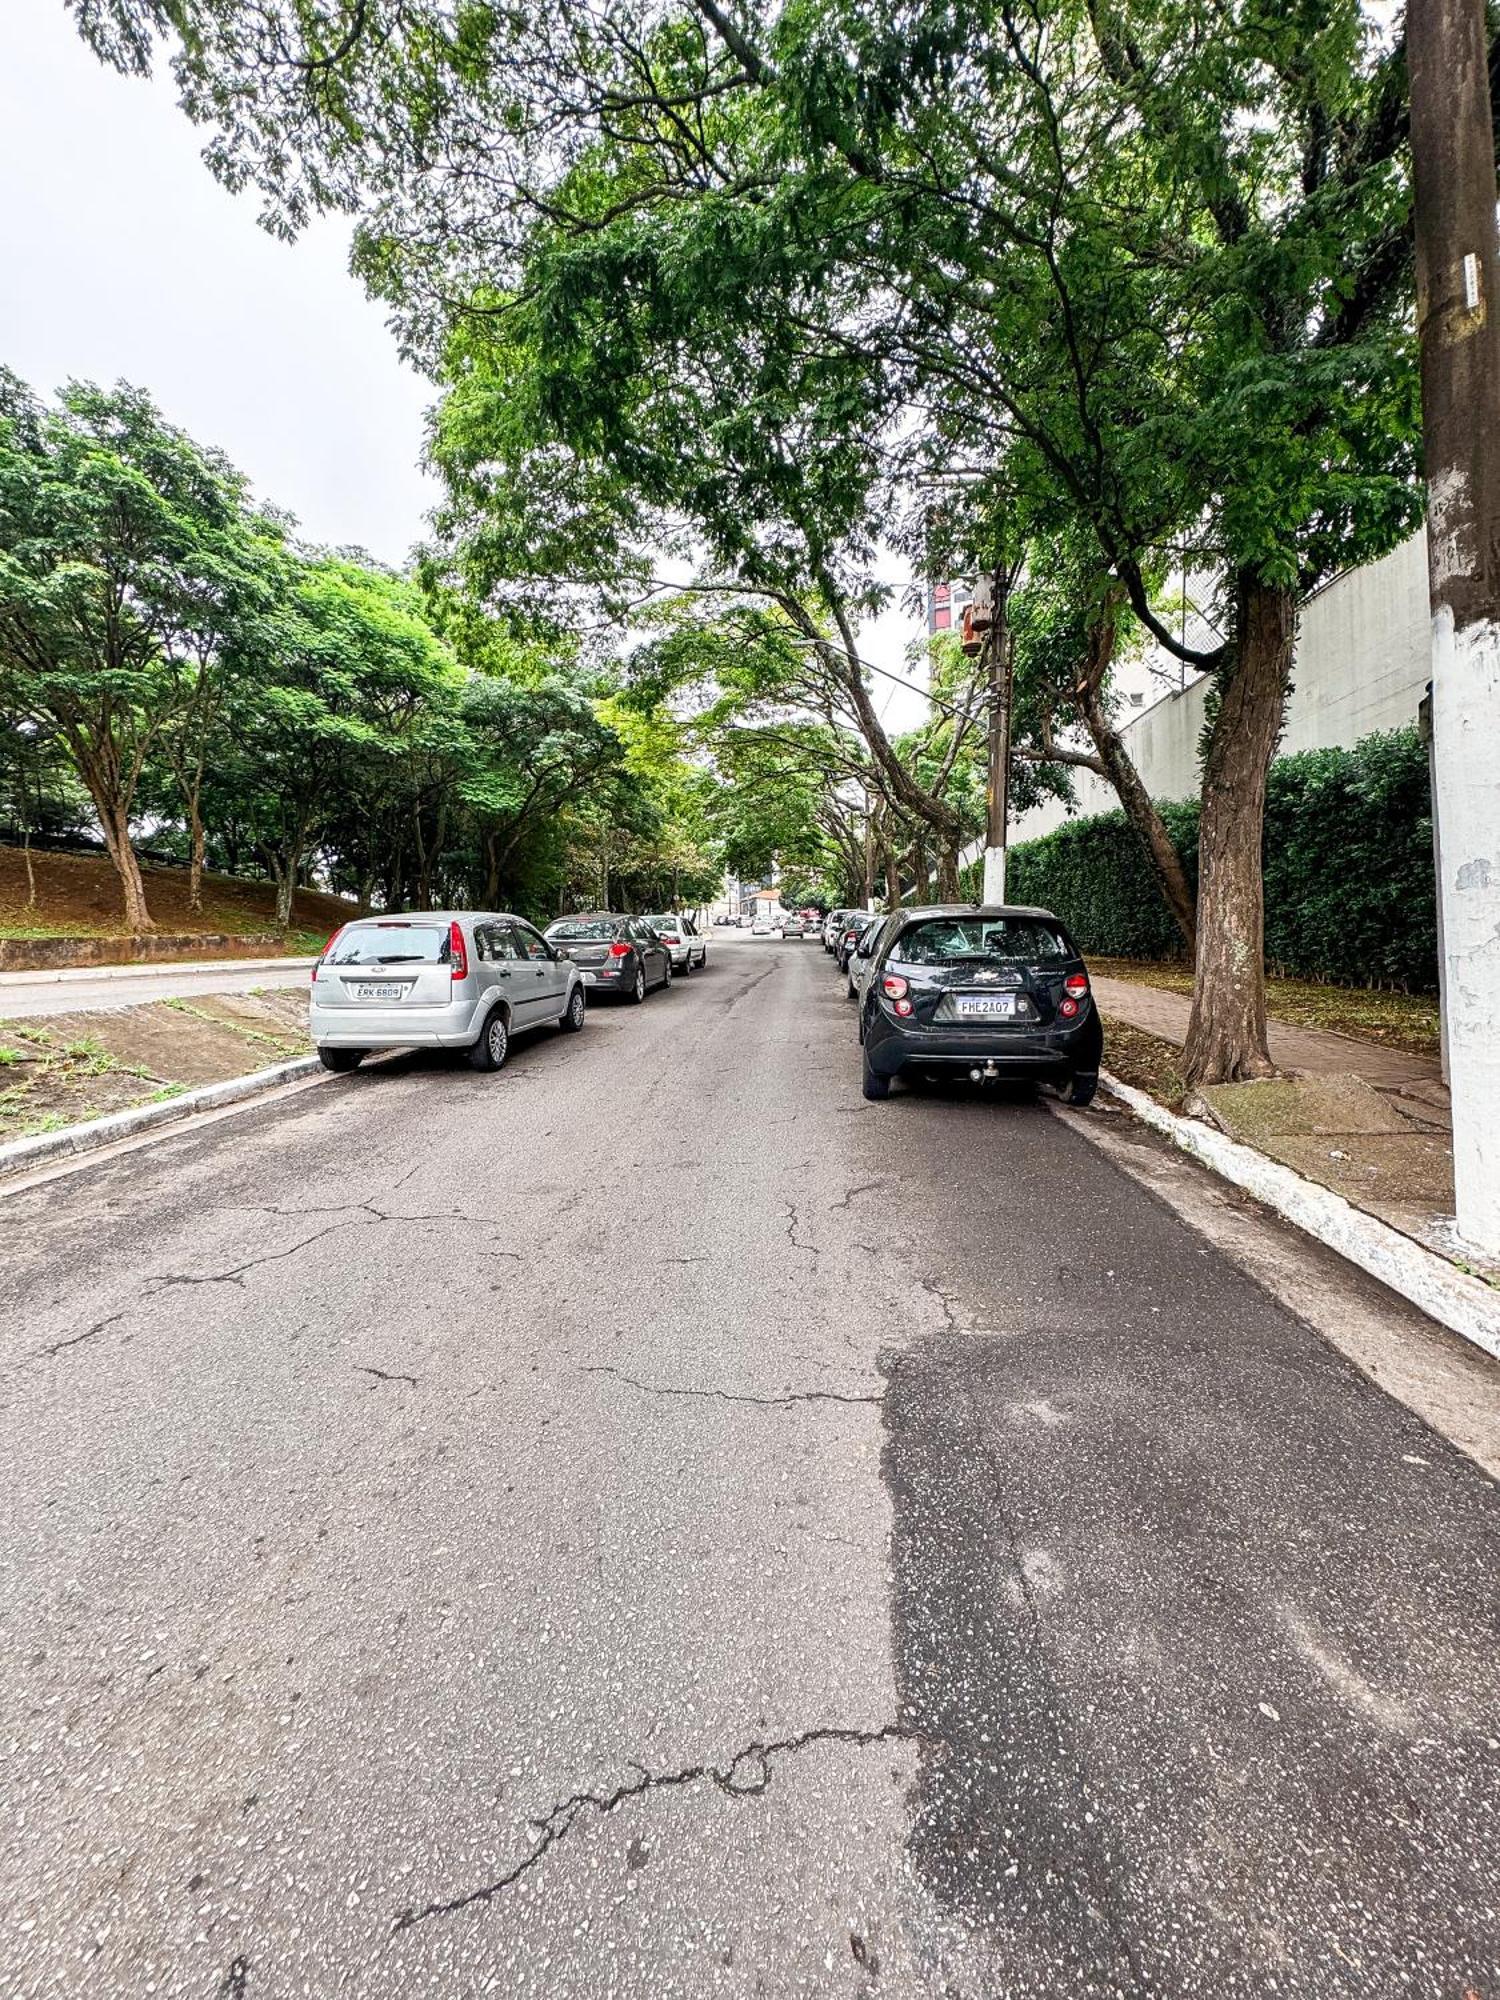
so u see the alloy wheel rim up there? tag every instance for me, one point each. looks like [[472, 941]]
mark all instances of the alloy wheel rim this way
[[497, 1039], [577, 1006]]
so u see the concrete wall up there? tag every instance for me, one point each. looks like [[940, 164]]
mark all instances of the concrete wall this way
[[151, 948], [1363, 664]]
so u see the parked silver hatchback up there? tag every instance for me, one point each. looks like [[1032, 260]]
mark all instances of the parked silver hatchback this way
[[438, 981]]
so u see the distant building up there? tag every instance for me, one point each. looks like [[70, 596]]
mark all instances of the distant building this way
[[945, 606]]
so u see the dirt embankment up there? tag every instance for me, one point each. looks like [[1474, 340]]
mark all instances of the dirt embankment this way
[[78, 896]]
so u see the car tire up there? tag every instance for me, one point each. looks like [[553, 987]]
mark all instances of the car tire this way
[[637, 992], [876, 1088], [687, 966], [851, 991], [489, 1052], [340, 1060], [666, 978], [575, 1013], [1081, 1090]]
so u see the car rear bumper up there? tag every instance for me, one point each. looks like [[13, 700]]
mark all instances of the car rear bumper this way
[[1049, 1054], [392, 1027], [608, 978]]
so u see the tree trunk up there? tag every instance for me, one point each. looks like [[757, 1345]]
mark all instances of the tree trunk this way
[[284, 874], [922, 880], [116, 825], [947, 888], [1226, 1038], [195, 858], [1150, 829], [30, 870], [491, 870]]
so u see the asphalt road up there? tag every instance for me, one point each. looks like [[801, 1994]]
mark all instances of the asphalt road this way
[[27, 998], [651, 1524]]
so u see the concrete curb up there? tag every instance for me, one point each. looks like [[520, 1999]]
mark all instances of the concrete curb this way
[[166, 968], [20, 1155], [1438, 1288]]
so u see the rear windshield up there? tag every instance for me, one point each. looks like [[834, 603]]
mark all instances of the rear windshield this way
[[991, 940], [391, 944], [661, 923], [584, 927]]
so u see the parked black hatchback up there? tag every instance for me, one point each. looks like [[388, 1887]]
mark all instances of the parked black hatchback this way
[[993, 994]]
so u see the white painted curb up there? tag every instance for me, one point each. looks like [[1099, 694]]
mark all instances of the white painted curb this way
[[22, 1154], [160, 968], [1465, 1304]]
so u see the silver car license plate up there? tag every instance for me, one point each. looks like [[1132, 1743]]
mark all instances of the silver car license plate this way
[[1002, 1004], [371, 989]]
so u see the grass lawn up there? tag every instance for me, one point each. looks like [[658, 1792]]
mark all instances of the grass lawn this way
[[1396, 1020]]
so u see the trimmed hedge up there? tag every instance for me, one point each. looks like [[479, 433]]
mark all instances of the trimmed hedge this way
[[1350, 896]]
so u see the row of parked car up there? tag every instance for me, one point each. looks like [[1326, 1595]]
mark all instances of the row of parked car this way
[[999, 993], [471, 980]]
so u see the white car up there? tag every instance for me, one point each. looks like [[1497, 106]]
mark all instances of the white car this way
[[470, 980], [685, 942]]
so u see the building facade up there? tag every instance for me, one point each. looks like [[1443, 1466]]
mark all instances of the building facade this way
[[1362, 666]]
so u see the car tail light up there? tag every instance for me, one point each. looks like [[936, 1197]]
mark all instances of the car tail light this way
[[894, 985], [458, 952], [1077, 984], [670, 937], [1068, 1009], [619, 951], [317, 967]]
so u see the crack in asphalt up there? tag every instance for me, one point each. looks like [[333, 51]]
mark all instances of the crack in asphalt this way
[[747, 1775], [382, 1374], [729, 1395], [793, 1220], [57, 1347], [951, 1320], [865, 1187], [354, 1214]]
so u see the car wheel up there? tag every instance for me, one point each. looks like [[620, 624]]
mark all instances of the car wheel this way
[[875, 1087], [493, 1046], [666, 978], [687, 966], [852, 991], [638, 990], [575, 1011], [1081, 1090], [340, 1060]]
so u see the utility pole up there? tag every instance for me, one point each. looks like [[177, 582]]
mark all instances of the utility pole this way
[[1458, 320], [997, 787]]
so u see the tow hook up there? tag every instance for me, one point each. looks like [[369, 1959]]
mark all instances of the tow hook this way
[[985, 1075]]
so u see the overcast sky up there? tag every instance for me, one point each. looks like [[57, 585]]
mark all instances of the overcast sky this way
[[121, 256]]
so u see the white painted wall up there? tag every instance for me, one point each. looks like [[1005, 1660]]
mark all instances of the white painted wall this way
[[1364, 658]]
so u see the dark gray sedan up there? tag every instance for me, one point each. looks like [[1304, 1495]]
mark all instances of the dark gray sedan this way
[[615, 954]]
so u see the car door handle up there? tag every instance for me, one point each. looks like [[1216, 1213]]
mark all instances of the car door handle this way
[[505, 975], [540, 972]]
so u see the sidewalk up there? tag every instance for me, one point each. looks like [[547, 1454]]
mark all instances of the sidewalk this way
[[1370, 1122], [30, 995]]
